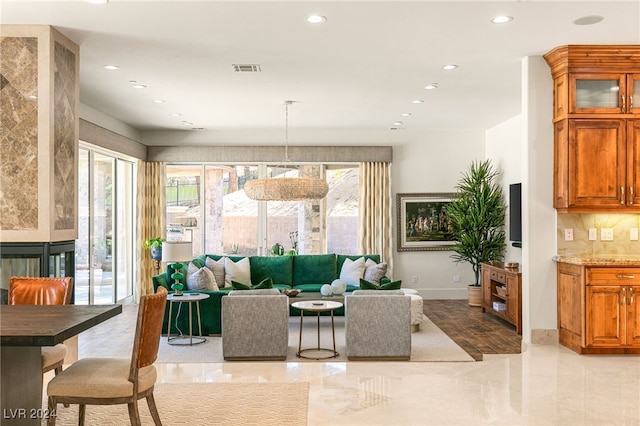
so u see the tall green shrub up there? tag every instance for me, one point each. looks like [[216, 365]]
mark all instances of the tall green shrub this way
[[477, 217]]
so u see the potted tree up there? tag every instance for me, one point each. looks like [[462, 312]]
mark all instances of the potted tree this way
[[477, 221], [155, 246]]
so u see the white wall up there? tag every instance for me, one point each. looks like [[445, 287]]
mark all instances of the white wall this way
[[538, 215], [425, 162], [504, 148]]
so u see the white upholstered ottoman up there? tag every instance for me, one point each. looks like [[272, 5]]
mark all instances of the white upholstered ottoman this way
[[416, 308]]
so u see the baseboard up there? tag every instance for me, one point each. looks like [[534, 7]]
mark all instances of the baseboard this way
[[442, 293]]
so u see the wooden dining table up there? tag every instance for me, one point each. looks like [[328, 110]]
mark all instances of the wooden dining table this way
[[24, 329]]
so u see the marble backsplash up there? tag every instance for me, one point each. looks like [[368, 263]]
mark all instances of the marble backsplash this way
[[581, 246]]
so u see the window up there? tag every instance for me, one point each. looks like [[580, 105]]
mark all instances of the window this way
[[209, 199]]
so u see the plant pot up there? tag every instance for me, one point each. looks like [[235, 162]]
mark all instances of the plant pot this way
[[156, 252], [475, 295]]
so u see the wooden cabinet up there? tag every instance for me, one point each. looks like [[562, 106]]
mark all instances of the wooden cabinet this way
[[502, 293], [596, 128], [594, 93], [598, 308]]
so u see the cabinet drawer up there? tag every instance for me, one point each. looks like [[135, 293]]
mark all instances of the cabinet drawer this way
[[614, 276], [498, 276]]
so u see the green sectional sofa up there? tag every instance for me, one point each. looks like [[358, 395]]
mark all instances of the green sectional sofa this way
[[306, 273]]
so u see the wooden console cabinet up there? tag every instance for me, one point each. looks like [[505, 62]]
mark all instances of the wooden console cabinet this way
[[598, 308], [502, 288], [596, 117]]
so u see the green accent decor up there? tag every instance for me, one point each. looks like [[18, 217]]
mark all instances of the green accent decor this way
[[177, 277], [394, 285], [266, 283]]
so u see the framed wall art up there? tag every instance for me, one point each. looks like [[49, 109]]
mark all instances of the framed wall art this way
[[422, 221]]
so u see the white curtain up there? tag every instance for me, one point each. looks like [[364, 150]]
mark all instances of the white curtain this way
[[375, 211], [150, 220]]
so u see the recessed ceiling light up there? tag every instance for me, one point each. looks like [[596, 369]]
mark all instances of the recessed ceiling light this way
[[502, 19], [187, 123], [316, 19], [406, 114], [111, 67], [139, 86], [398, 123], [449, 67], [417, 101], [158, 101], [97, 1], [431, 86], [588, 20], [175, 114]]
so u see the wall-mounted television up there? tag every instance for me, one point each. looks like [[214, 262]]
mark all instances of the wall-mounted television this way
[[515, 214]]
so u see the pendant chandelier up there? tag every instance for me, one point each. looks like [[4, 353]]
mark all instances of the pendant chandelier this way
[[286, 188]]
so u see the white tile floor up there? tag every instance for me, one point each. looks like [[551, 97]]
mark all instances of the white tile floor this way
[[545, 385]]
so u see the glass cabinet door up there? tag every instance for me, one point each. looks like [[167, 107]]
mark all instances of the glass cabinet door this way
[[597, 93]]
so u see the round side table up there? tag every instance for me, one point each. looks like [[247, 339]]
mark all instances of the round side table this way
[[317, 306], [190, 299]]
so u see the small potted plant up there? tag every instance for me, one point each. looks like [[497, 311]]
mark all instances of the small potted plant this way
[[155, 246], [477, 220]]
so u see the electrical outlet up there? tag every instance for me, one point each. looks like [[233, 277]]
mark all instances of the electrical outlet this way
[[606, 234], [593, 234], [568, 234], [456, 278], [633, 234], [415, 279]]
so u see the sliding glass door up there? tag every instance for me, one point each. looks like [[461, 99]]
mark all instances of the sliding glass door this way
[[104, 249]]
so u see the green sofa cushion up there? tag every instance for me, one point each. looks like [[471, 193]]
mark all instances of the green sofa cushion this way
[[366, 285], [279, 268], [266, 283], [314, 269], [308, 287]]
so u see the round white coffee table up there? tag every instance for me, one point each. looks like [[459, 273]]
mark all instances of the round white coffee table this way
[[181, 339], [317, 306]]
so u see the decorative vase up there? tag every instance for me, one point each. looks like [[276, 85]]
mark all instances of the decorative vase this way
[[156, 252], [325, 290], [338, 286], [475, 295]]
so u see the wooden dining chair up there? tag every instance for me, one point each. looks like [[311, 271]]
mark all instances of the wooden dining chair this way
[[43, 291], [109, 381]]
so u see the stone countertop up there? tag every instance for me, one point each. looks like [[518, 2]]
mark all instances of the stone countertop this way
[[600, 260]]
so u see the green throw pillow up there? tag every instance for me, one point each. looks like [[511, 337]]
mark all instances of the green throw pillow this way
[[366, 285], [266, 283]]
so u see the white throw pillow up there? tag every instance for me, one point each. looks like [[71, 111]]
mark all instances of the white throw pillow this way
[[373, 271], [352, 271], [237, 271], [217, 267], [200, 279]]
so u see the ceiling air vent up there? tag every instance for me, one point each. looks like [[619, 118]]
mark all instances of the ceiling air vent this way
[[246, 67]]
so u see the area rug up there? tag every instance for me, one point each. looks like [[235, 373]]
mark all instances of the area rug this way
[[228, 404], [114, 338], [429, 344]]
